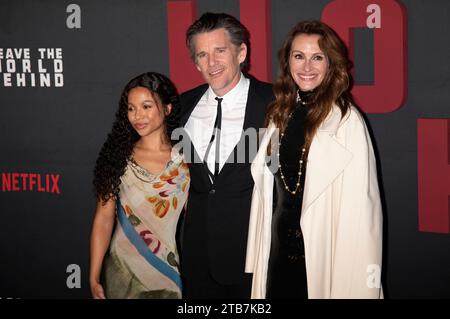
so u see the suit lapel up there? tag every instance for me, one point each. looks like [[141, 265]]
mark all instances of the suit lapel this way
[[189, 102], [251, 120], [196, 163], [254, 102]]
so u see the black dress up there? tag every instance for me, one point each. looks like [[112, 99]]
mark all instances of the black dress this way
[[286, 276]]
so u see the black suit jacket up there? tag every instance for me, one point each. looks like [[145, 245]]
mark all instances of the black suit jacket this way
[[214, 235]]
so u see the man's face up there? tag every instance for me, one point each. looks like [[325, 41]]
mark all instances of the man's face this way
[[218, 59]]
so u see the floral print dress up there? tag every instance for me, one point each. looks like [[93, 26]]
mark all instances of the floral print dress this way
[[143, 261]]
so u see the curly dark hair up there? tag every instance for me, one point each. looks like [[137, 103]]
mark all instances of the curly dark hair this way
[[117, 149]]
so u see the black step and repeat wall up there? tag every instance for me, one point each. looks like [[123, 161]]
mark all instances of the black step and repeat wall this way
[[63, 65]]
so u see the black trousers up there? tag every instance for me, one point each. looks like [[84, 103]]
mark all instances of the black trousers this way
[[201, 285]]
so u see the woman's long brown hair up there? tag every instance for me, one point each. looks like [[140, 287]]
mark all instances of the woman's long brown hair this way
[[334, 89]]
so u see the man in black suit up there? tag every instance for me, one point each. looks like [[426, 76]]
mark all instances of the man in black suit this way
[[215, 116]]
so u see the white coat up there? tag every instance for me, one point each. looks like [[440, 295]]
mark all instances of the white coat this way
[[341, 217]]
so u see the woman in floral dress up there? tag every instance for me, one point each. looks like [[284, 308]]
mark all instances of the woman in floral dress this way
[[141, 184]]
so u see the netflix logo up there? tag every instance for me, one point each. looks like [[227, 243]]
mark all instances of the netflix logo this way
[[30, 182]]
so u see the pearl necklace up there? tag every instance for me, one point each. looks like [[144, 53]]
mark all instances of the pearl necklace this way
[[299, 174], [299, 99]]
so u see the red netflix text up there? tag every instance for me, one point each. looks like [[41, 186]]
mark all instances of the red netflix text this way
[[30, 182]]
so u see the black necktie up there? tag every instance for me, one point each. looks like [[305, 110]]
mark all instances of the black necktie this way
[[216, 136], [218, 126]]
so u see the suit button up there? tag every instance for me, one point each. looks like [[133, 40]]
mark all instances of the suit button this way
[[212, 191]]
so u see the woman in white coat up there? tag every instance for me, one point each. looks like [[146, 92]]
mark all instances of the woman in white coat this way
[[316, 219]]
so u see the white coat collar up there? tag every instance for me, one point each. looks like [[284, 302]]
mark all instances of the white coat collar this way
[[327, 158]]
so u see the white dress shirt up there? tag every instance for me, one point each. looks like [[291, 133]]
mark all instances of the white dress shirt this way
[[200, 125]]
